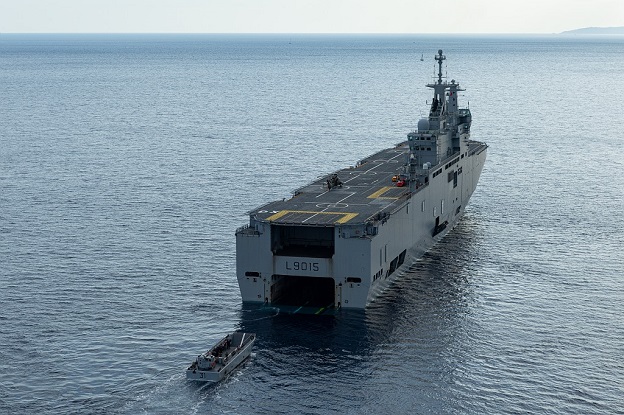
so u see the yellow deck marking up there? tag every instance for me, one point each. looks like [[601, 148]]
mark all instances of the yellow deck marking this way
[[378, 193], [278, 215], [346, 217]]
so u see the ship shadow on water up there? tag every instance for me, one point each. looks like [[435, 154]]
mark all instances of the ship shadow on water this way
[[438, 291]]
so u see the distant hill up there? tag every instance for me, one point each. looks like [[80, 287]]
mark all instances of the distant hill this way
[[596, 31]]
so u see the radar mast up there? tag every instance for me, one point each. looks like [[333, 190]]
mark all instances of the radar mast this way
[[440, 57]]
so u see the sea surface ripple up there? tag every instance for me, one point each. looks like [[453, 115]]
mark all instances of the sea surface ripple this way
[[128, 161]]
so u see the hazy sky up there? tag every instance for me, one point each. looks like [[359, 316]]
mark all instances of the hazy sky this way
[[307, 16]]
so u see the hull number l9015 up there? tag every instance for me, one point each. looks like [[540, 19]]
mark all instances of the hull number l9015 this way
[[302, 266]]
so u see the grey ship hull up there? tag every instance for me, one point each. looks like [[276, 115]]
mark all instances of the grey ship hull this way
[[365, 257], [340, 241]]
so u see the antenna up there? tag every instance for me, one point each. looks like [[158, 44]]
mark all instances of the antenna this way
[[440, 57]]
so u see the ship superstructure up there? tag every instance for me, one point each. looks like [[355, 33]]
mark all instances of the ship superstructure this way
[[340, 240]]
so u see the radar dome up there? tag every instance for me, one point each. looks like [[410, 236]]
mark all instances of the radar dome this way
[[423, 124]]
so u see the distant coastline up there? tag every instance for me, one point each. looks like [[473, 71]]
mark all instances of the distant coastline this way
[[596, 31]]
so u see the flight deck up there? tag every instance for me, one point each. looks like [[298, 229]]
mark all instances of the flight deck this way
[[365, 191]]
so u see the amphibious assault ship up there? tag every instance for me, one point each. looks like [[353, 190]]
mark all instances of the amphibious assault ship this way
[[339, 241]]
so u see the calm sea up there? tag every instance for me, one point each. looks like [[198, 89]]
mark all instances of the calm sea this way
[[128, 161]]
